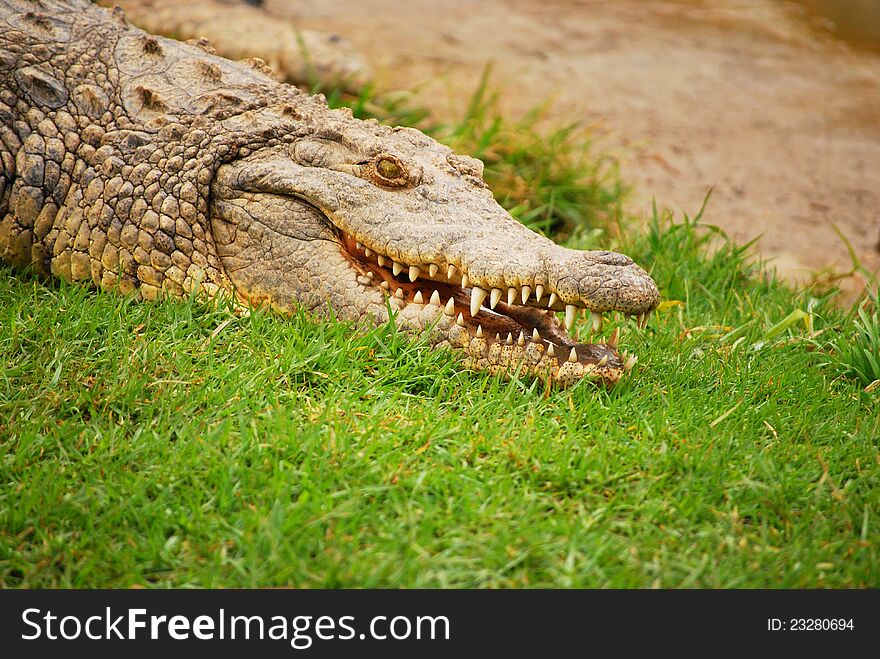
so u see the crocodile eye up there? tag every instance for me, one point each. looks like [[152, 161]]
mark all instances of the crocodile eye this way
[[389, 171]]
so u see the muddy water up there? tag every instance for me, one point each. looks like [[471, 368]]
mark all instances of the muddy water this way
[[855, 21]]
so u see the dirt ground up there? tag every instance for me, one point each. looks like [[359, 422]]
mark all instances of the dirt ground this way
[[742, 96]]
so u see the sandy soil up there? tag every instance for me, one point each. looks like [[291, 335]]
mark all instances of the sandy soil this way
[[738, 95]]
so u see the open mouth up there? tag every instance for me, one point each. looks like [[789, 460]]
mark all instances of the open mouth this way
[[496, 320]]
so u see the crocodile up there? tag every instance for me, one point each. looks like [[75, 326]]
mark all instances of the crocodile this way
[[139, 164]]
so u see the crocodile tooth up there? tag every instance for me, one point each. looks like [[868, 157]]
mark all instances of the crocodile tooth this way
[[630, 362], [552, 300], [477, 297], [381, 259], [460, 320], [509, 339], [449, 309], [521, 341], [570, 313], [465, 281], [573, 356], [450, 271], [603, 361], [396, 268], [539, 292], [535, 335], [414, 272], [384, 285], [418, 299], [398, 293], [551, 350], [526, 291], [494, 296], [479, 331], [435, 298], [615, 336], [368, 252], [370, 274], [433, 269], [597, 322], [511, 295], [358, 245]]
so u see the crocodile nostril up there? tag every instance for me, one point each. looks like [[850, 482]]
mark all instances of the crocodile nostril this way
[[610, 258]]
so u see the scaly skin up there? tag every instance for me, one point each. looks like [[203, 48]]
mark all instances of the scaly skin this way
[[144, 165], [239, 30]]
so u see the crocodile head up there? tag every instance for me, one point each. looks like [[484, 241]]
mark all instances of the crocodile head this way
[[373, 221]]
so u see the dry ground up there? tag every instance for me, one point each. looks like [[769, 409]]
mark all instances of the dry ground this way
[[781, 120]]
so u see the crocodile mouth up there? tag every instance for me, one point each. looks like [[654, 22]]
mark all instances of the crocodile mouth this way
[[516, 320]]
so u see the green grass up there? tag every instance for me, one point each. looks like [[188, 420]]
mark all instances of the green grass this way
[[177, 444], [858, 354]]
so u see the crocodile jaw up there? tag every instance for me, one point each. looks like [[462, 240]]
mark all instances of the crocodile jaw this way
[[510, 331]]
